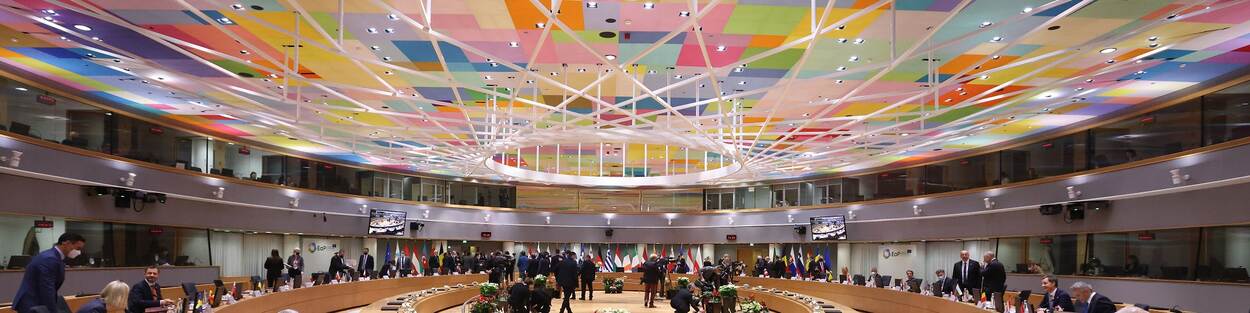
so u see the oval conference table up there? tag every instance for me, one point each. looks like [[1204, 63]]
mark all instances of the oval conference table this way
[[363, 294]]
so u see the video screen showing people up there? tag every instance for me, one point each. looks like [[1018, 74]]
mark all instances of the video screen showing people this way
[[389, 223], [829, 228]]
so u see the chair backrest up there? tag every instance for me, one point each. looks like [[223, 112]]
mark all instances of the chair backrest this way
[[858, 280], [885, 279]]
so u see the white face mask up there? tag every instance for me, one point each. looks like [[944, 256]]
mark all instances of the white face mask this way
[[73, 253]]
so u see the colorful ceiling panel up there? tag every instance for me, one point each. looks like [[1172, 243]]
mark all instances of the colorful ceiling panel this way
[[771, 89]]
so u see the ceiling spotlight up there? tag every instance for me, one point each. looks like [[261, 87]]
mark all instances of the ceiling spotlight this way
[[129, 179], [372, 30], [683, 13], [1153, 45], [915, 210], [841, 40], [487, 77], [996, 39], [838, 81], [1110, 61], [984, 77], [841, 68], [738, 70], [986, 24], [294, 202], [1072, 192], [1089, 80], [21, 89], [236, 7], [1177, 177], [220, 192], [389, 30], [363, 208], [1107, 50], [592, 4], [989, 203], [1153, 38], [850, 215], [648, 5], [610, 57], [82, 27], [540, 25], [1026, 10], [859, 41], [854, 58], [548, 220], [720, 48], [375, 48], [392, 17], [513, 44], [995, 57]]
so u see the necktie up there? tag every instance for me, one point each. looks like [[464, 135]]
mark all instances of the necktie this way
[[965, 274], [154, 295]]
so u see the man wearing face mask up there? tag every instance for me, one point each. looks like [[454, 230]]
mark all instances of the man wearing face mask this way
[[147, 293], [44, 275]]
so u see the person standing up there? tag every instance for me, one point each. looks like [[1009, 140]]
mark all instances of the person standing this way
[[682, 267], [651, 281], [295, 268], [44, 275], [544, 265], [778, 268], [588, 269], [967, 272], [147, 293], [365, 265], [337, 266], [273, 269], [113, 298], [566, 277], [994, 279], [523, 263], [403, 265]]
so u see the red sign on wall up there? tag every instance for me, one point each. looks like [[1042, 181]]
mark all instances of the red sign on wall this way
[[731, 237], [1146, 236], [1047, 240], [156, 230], [486, 235], [245, 151], [45, 99], [43, 224]]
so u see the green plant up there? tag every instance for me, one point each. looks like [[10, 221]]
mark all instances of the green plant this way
[[728, 291], [485, 304], [540, 280], [488, 289], [751, 306], [612, 310], [683, 281]]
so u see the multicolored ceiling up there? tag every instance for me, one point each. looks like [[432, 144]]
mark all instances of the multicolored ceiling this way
[[787, 87]]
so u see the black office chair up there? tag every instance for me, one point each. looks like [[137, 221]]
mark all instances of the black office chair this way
[[859, 280], [885, 280]]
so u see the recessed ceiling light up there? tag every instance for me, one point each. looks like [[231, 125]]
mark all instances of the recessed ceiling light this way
[[82, 27], [375, 48], [996, 39], [841, 40], [984, 77], [388, 72], [683, 13], [1026, 10], [393, 17], [854, 58], [986, 24], [372, 30], [1107, 50], [1153, 45], [648, 5], [592, 4], [720, 48], [841, 68], [555, 74], [236, 6], [488, 77], [738, 70], [995, 57], [1153, 38], [742, 82], [386, 58], [1089, 80], [859, 41], [540, 25], [513, 44], [21, 89], [389, 30], [1110, 61], [610, 57], [838, 81], [95, 38]]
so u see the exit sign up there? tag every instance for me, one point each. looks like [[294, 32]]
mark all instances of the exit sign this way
[[731, 237], [486, 234], [43, 224]]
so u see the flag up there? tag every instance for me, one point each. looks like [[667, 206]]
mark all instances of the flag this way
[[690, 257], [789, 260], [388, 253], [616, 261], [828, 264], [803, 262]]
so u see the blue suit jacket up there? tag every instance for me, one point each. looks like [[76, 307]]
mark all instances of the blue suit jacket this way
[[1061, 300], [44, 276]]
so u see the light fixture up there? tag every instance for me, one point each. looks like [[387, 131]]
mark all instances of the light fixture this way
[[371, 30], [610, 57], [82, 27], [220, 192], [841, 40], [426, 214], [859, 41], [841, 68], [592, 4], [720, 48], [731, 220], [850, 215], [236, 6], [1072, 192], [1177, 177], [486, 218], [21, 89], [363, 208], [1026, 10], [375, 48], [854, 58], [294, 202], [683, 13], [1107, 50], [1153, 38], [1153, 45], [513, 44], [392, 17], [540, 25], [986, 24], [984, 77], [996, 39], [838, 81], [915, 210], [129, 179], [648, 5], [548, 220], [989, 203], [389, 30]]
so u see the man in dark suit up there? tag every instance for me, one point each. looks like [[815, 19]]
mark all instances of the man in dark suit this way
[[337, 267], [588, 269], [566, 277], [295, 268], [543, 265], [1094, 302], [778, 268], [44, 275], [364, 264], [519, 296], [1055, 298], [942, 285], [650, 280], [911, 283], [403, 264], [523, 263], [994, 279], [967, 272], [147, 293], [683, 298]]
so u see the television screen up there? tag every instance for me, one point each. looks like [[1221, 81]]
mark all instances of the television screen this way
[[829, 228], [388, 223]]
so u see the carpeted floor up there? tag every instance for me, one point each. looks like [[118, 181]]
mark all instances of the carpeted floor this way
[[630, 301]]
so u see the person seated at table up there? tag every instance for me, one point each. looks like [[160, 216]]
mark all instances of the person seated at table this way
[[540, 299], [874, 279], [911, 283], [942, 285], [1094, 302], [1055, 299], [113, 298], [147, 293]]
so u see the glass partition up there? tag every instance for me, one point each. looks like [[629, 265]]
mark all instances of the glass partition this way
[[108, 244]]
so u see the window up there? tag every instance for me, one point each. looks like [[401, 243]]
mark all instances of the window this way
[[1226, 114], [1224, 256], [785, 195]]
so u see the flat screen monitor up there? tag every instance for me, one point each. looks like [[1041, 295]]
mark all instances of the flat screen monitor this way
[[828, 227], [387, 223]]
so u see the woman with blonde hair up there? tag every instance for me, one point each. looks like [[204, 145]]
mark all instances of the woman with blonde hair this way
[[113, 298]]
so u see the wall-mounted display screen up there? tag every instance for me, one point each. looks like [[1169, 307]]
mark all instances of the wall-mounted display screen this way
[[829, 227], [388, 223]]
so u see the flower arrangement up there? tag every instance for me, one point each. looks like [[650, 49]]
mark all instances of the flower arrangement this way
[[612, 310], [488, 289], [750, 305], [683, 281], [613, 285], [728, 291], [540, 280], [485, 304]]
